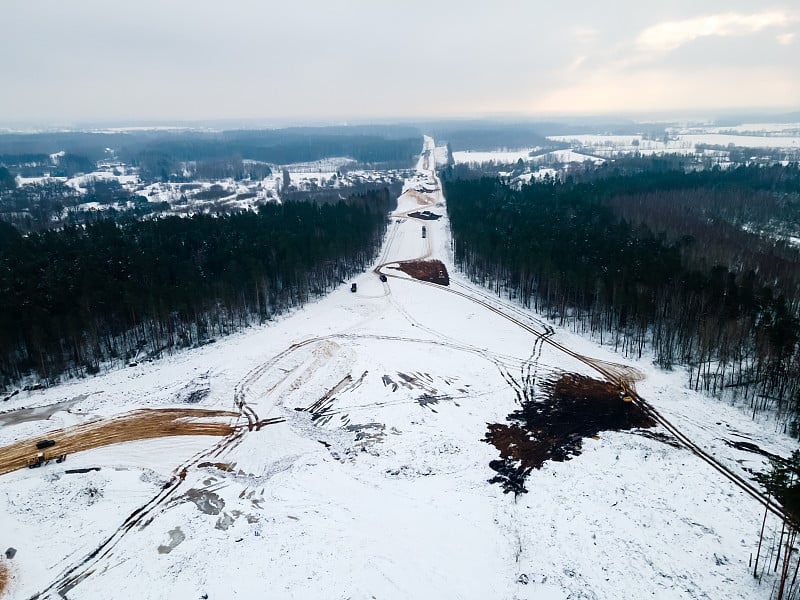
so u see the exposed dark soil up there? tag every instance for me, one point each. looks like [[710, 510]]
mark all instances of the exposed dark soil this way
[[754, 448], [433, 271], [570, 407]]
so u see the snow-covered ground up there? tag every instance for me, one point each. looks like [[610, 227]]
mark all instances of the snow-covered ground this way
[[383, 492], [474, 157], [684, 141]]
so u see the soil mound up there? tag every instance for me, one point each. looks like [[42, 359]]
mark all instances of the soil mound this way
[[433, 271]]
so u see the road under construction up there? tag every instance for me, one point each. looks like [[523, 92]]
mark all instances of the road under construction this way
[[230, 426]]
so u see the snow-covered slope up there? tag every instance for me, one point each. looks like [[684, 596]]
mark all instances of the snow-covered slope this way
[[375, 484]]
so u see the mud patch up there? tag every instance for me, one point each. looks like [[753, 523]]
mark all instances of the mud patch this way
[[39, 413], [755, 449], [367, 434], [432, 271], [217, 465], [571, 407], [226, 520], [176, 537], [428, 401], [207, 502]]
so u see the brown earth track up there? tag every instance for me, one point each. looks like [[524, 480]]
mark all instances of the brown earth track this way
[[422, 199], [3, 578], [136, 425]]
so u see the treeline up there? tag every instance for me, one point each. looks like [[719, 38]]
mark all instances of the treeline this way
[[116, 292], [625, 258], [163, 158], [162, 155], [51, 204]]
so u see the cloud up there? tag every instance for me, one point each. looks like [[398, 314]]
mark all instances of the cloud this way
[[670, 35], [667, 89], [784, 39], [584, 35]]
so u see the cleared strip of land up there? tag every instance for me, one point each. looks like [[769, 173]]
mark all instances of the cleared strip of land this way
[[136, 425]]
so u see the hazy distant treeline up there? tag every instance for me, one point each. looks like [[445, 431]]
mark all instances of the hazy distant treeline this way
[[161, 154], [76, 298], [682, 264]]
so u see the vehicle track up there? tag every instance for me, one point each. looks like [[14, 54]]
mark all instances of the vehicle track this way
[[627, 376], [142, 516], [613, 372]]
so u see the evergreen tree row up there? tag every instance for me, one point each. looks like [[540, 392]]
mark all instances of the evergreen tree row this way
[[84, 295], [565, 249]]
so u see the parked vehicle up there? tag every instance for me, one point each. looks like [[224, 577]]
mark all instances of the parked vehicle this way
[[382, 277], [42, 444], [353, 287], [424, 231]]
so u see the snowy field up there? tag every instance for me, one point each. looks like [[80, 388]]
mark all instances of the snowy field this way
[[375, 485], [684, 141], [474, 157]]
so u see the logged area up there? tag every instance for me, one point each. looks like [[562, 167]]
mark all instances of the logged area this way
[[137, 425]]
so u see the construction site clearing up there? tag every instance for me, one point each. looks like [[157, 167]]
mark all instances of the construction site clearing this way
[[136, 425], [432, 271]]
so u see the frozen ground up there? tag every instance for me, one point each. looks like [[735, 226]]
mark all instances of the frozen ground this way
[[685, 141], [376, 484]]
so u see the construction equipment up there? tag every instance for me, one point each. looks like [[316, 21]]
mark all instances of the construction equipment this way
[[42, 459], [624, 394]]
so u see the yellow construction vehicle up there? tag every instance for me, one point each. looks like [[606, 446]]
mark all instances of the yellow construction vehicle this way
[[624, 394], [42, 459]]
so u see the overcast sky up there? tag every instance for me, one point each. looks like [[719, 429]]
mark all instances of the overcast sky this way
[[317, 60]]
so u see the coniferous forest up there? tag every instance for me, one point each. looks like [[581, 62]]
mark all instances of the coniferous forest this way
[[117, 292], [687, 266]]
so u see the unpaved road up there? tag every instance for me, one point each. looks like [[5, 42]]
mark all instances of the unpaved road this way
[[136, 425]]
